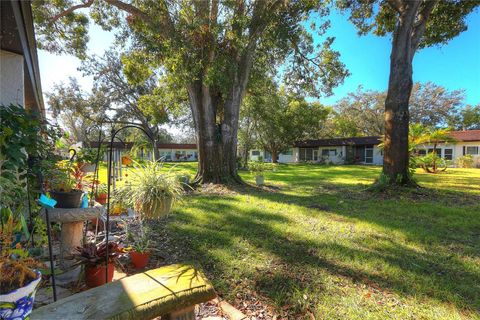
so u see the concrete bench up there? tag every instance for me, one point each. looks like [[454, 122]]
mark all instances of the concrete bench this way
[[170, 291]]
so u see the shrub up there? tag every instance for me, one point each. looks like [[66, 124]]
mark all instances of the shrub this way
[[465, 161]]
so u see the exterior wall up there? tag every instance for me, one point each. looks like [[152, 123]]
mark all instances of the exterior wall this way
[[256, 157], [457, 150], [287, 158], [377, 156], [339, 158], [12, 88], [188, 155]]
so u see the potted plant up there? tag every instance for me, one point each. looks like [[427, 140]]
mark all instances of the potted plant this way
[[257, 168], [18, 277], [66, 184], [93, 257], [101, 193], [86, 159], [140, 252], [151, 191], [18, 285]]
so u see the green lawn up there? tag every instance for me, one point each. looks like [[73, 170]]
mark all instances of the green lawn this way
[[316, 242]]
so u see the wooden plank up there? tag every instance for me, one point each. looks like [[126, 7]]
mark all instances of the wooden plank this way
[[142, 296]]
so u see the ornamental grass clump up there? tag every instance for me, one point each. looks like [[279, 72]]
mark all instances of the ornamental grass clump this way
[[151, 190]]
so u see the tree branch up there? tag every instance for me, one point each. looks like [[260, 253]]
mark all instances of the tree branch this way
[[71, 9], [116, 3], [421, 23], [397, 5]]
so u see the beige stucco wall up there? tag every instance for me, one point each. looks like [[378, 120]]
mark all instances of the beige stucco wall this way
[[11, 79]]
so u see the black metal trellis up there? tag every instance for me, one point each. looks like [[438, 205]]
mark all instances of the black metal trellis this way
[[109, 180]]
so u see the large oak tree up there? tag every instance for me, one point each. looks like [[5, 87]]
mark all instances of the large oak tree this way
[[413, 24], [211, 48]]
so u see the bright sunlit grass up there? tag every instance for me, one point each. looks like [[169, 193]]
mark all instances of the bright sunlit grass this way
[[318, 243]]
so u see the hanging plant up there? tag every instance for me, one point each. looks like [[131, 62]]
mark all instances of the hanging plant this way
[[151, 190]]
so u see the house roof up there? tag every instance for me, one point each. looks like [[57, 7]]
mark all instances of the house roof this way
[[129, 145], [17, 35], [338, 142], [467, 135]]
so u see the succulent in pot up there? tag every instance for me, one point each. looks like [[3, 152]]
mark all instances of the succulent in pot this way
[[93, 257], [151, 190]]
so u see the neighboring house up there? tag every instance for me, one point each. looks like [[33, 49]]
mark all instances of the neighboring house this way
[[467, 142], [365, 150], [19, 71], [167, 151]]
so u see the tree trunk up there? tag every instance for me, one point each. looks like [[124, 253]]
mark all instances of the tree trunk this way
[[274, 157], [216, 141], [396, 155]]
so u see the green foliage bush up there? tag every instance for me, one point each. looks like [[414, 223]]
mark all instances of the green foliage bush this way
[[465, 161]]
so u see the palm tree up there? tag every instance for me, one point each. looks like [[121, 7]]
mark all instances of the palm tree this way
[[435, 137]]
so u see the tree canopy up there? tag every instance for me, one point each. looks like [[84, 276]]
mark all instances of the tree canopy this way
[[209, 48]]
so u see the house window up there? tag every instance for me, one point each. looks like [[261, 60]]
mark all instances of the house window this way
[[448, 154], [305, 154], [422, 152], [438, 151], [255, 153], [472, 150], [289, 152], [329, 152]]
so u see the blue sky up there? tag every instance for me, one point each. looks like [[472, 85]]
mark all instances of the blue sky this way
[[455, 65]]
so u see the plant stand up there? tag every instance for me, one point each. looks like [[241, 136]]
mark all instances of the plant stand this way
[[72, 228]]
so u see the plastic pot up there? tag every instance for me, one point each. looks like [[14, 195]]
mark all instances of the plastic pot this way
[[95, 275], [101, 198], [18, 303], [72, 199], [259, 180], [139, 259]]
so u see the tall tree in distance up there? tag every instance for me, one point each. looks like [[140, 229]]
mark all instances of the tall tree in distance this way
[[434, 106], [280, 118], [209, 48], [413, 24], [467, 119]]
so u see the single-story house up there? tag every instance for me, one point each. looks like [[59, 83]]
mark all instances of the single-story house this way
[[365, 150], [19, 70], [336, 151], [167, 151]]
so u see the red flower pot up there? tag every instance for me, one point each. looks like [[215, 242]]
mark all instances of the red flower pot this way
[[101, 198], [139, 259], [95, 275]]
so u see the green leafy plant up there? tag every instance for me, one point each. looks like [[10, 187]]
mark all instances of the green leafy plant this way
[[68, 176], [88, 155], [259, 167], [151, 190]]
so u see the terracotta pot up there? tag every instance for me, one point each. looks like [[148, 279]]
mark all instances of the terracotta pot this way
[[139, 259], [95, 275], [72, 199], [101, 198]]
